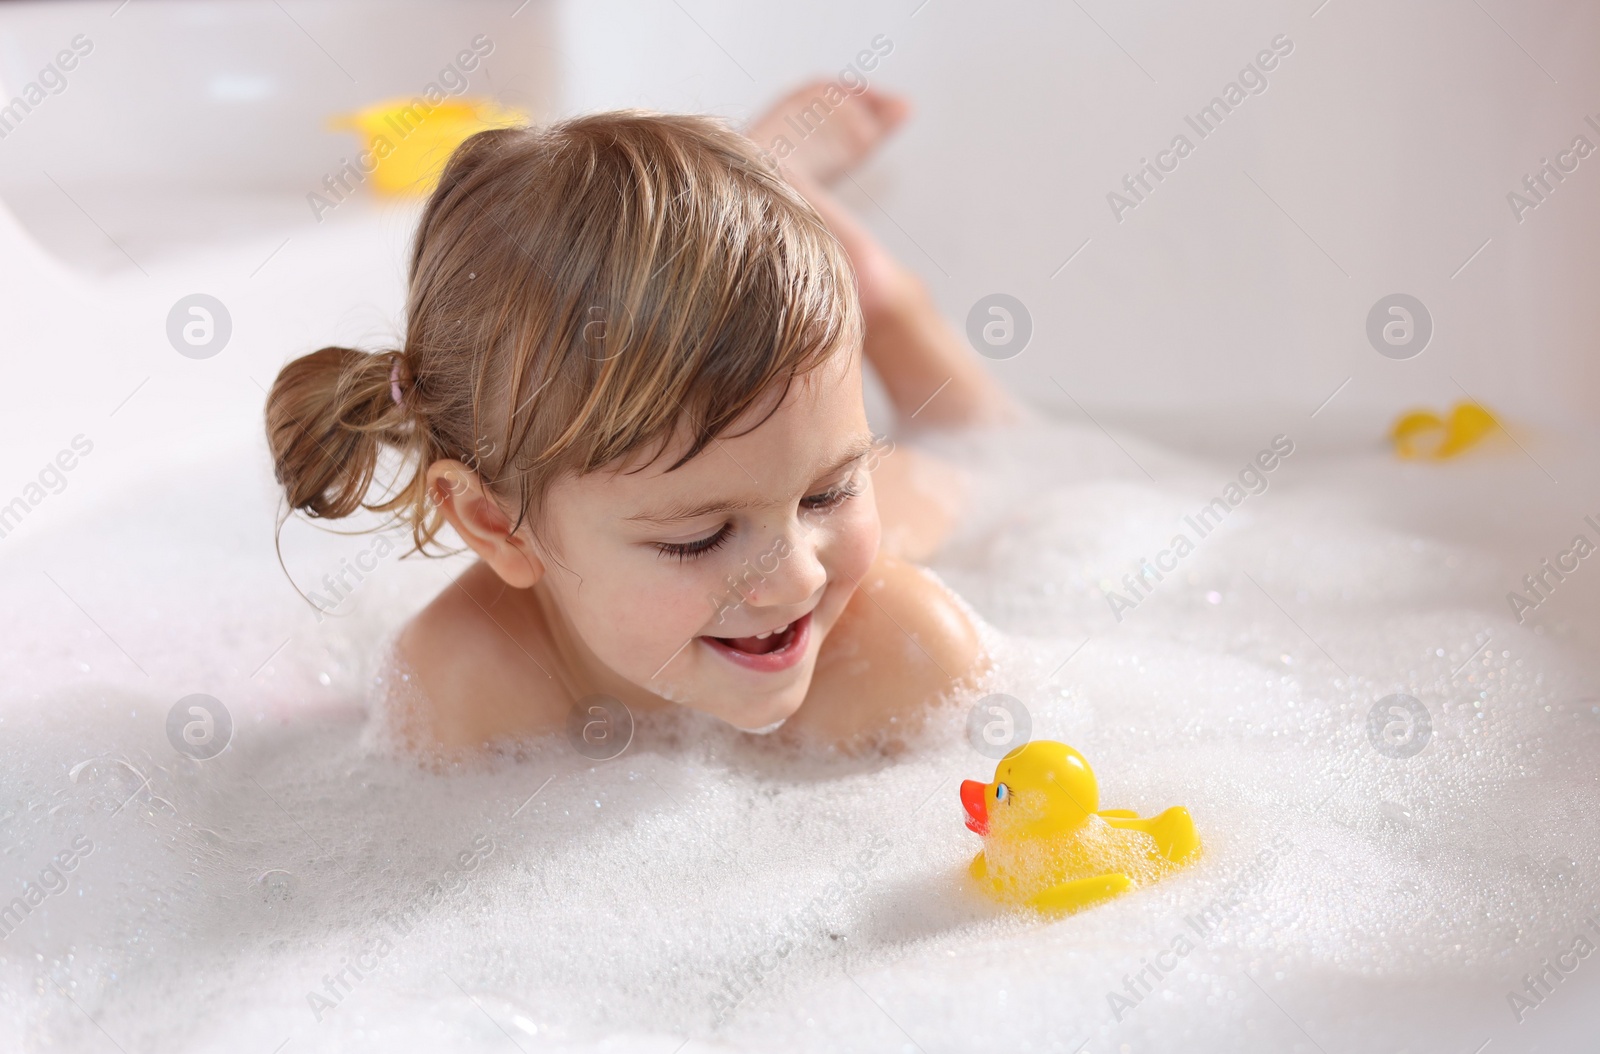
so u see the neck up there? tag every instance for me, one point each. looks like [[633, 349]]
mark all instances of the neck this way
[[576, 668]]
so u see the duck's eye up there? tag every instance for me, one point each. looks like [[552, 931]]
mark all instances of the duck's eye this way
[[1001, 792]]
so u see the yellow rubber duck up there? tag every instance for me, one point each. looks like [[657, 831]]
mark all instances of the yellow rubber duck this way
[[409, 141], [1424, 434], [1048, 845]]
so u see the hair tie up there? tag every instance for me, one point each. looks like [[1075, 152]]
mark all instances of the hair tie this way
[[394, 383]]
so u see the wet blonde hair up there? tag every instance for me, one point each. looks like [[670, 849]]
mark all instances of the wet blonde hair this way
[[602, 290]]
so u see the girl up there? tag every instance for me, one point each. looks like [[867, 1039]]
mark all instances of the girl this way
[[631, 383]]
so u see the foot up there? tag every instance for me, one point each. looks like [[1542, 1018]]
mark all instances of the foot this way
[[821, 130]]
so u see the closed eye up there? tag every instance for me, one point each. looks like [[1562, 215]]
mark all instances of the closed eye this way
[[681, 551], [831, 498], [826, 501]]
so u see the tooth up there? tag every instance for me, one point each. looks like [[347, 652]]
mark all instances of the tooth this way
[[764, 636]]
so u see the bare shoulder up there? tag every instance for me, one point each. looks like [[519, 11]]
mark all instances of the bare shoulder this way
[[904, 642], [928, 622], [479, 668]]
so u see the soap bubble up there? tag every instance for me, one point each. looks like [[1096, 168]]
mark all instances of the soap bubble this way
[[1563, 870], [275, 886]]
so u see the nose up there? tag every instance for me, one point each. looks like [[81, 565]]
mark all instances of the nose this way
[[791, 574]]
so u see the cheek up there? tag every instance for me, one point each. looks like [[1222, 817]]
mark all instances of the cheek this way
[[853, 542], [632, 617], [632, 611]]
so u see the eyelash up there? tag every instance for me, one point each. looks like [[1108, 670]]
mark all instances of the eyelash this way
[[826, 501], [681, 551], [832, 498]]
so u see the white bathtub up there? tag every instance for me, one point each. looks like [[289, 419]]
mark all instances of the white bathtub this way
[[701, 891]]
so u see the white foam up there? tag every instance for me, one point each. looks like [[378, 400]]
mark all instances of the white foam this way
[[708, 885]]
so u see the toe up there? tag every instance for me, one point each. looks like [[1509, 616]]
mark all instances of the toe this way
[[890, 111]]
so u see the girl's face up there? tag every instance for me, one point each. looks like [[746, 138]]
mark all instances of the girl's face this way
[[715, 584]]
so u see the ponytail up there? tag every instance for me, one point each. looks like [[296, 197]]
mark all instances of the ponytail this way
[[329, 415]]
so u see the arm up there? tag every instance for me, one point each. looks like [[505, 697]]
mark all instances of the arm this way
[[913, 349]]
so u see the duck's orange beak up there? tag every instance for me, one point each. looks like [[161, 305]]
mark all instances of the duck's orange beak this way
[[972, 800]]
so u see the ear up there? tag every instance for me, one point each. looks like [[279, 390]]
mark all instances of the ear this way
[[481, 522]]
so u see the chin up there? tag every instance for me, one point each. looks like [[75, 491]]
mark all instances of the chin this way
[[762, 715]]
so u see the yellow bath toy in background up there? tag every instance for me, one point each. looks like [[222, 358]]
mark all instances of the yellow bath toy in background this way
[[1423, 434], [408, 141], [1048, 845]]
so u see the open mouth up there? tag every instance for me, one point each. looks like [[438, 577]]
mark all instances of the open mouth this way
[[768, 652]]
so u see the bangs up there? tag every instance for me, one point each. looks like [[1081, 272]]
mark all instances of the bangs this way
[[709, 287]]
